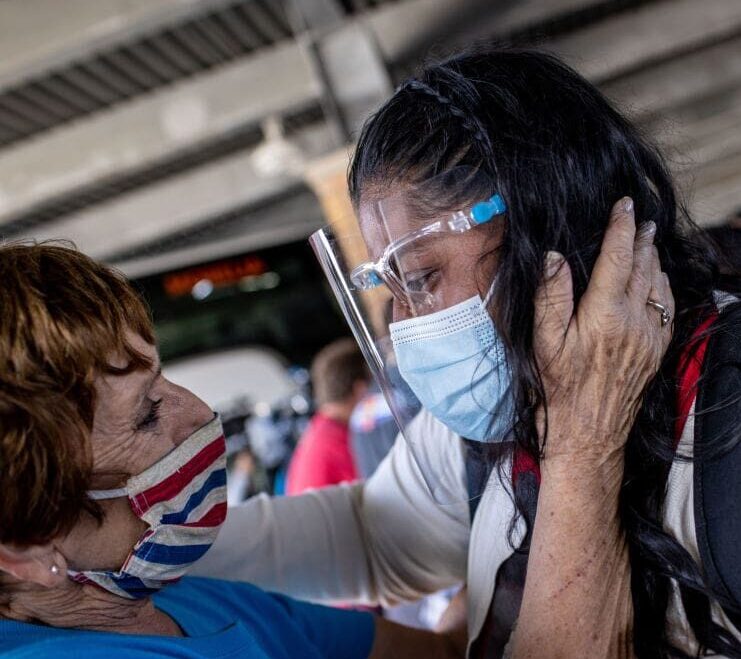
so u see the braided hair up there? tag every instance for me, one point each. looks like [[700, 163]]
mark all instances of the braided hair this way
[[466, 119], [561, 156]]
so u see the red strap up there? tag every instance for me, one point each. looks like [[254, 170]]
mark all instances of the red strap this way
[[524, 463], [690, 367]]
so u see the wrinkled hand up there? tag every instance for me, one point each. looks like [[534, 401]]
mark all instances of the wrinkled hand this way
[[596, 362]]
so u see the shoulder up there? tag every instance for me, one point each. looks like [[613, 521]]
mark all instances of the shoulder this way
[[281, 626], [237, 600], [89, 648], [220, 603], [323, 432], [219, 600], [205, 587], [24, 640]]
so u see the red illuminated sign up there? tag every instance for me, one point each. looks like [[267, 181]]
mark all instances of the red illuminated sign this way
[[222, 273]]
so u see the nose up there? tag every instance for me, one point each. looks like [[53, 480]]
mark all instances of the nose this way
[[191, 413]]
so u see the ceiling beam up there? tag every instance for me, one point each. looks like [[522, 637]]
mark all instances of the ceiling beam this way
[[40, 35], [409, 29], [178, 204], [290, 220], [156, 127], [713, 190], [678, 81], [635, 38], [153, 128], [707, 130]]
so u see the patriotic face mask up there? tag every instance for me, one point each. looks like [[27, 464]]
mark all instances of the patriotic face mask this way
[[183, 500]]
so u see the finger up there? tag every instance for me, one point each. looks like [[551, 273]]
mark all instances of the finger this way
[[668, 301], [660, 292], [667, 293], [642, 275], [661, 289], [615, 261], [657, 276], [554, 307]]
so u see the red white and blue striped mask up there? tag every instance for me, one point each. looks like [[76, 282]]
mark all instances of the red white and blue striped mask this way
[[182, 498]]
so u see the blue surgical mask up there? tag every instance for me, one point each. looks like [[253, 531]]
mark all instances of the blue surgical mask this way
[[455, 363]]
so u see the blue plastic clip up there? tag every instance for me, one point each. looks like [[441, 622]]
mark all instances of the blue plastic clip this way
[[375, 279], [483, 211]]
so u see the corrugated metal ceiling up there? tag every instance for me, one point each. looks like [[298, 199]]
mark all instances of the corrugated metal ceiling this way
[[193, 46]]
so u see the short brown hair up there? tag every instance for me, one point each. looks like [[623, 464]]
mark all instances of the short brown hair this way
[[62, 317], [335, 370]]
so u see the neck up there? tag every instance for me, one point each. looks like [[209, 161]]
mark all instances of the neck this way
[[340, 412], [83, 607]]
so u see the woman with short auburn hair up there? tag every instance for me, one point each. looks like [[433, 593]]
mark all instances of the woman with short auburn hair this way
[[113, 483]]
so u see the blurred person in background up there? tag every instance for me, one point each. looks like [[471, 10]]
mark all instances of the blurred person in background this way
[[534, 308], [373, 429], [323, 456], [246, 477], [272, 438], [114, 482]]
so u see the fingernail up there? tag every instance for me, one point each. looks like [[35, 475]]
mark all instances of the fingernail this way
[[648, 229], [628, 205], [553, 261]]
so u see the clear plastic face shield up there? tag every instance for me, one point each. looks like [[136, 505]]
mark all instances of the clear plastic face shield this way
[[420, 253]]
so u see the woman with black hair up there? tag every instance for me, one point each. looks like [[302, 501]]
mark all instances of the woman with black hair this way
[[498, 194]]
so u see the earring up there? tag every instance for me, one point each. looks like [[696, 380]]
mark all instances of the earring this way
[[54, 569]]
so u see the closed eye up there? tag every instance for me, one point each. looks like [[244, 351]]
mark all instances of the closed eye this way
[[152, 417], [422, 280]]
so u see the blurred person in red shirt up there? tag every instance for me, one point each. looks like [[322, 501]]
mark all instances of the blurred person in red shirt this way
[[323, 456]]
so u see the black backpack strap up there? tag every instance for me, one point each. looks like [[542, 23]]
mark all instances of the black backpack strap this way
[[481, 459], [717, 473]]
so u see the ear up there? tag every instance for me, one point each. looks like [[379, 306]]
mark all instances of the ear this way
[[39, 564]]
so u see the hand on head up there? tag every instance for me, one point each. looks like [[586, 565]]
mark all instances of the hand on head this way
[[596, 360]]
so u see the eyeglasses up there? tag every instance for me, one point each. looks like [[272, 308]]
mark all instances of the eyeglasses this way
[[385, 270]]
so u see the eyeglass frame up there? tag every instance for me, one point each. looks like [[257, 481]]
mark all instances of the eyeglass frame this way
[[379, 270]]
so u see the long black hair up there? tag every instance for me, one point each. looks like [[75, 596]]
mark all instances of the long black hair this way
[[561, 156]]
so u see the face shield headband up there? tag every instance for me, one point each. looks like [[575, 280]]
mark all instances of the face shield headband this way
[[393, 260]]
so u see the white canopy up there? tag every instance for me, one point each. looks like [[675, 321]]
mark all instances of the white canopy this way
[[223, 378]]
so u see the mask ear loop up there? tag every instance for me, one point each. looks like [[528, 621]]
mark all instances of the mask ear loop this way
[[100, 495], [490, 294]]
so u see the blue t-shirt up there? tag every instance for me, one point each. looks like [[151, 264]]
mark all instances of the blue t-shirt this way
[[220, 619]]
